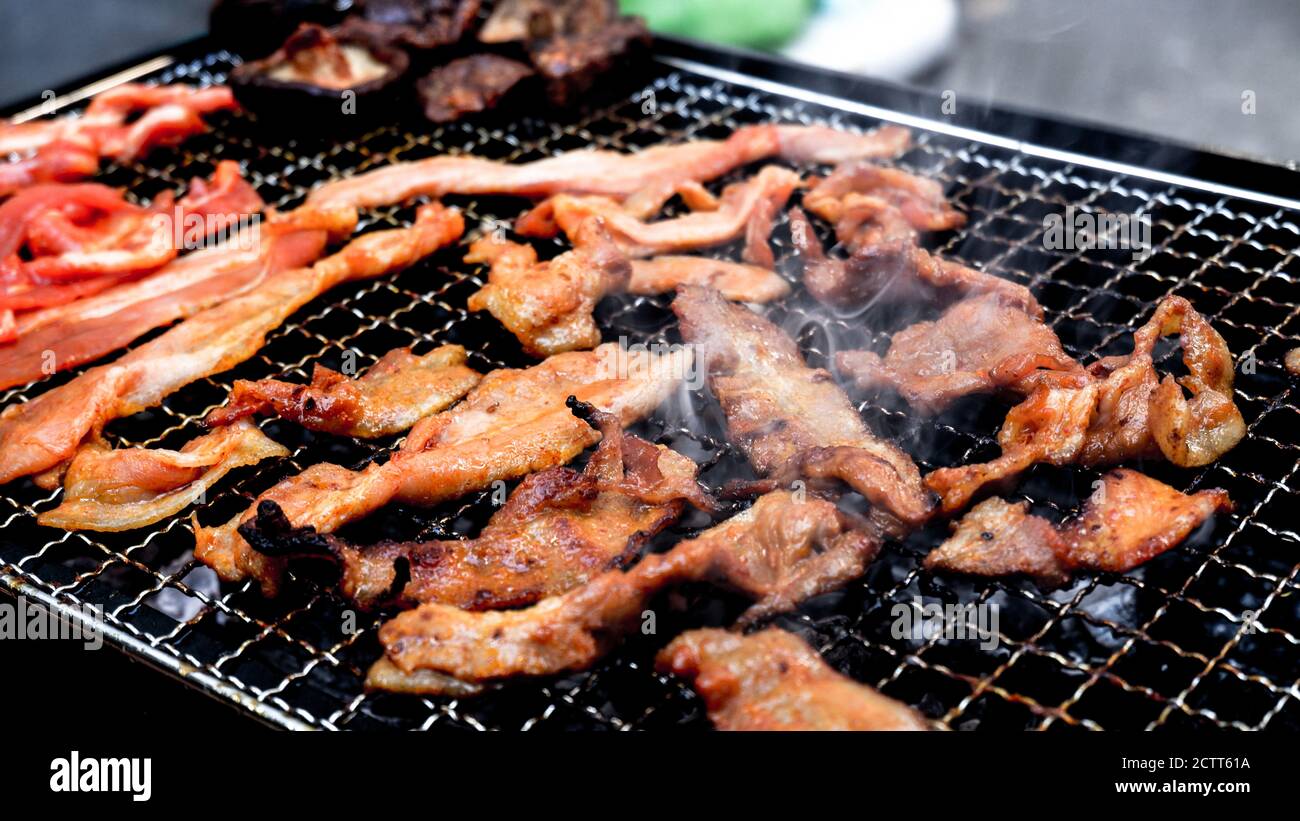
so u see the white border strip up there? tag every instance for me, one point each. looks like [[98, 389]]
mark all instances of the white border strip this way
[[973, 134], [125, 76]]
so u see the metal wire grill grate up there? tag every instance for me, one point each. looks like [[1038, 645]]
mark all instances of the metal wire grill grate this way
[[1204, 636]]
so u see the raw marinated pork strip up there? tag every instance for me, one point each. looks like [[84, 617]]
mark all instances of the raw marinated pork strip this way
[[515, 422], [62, 337], [642, 181], [82, 238], [45, 432], [126, 488], [772, 680], [69, 148]]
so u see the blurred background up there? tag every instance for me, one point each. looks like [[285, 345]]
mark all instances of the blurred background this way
[[1175, 68]]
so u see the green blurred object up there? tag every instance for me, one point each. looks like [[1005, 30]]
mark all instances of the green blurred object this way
[[761, 24]]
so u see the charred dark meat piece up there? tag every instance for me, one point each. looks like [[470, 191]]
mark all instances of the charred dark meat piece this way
[[525, 20], [393, 394], [792, 421], [893, 271], [1129, 520], [571, 42], [1116, 410], [415, 24], [780, 551], [322, 75], [772, 680], [979, 345], [572, 63], [469, 85], [559, 529], [255, 28]]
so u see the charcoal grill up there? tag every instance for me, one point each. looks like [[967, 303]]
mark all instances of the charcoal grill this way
[[1202, 637]]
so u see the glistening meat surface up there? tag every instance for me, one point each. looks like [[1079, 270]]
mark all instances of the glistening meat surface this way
[[894, 271], [557, 530], [393, 394], [779, 552], [38, 435], [515, 422], [746, 208], [643, 181], [1130, 519], [126, 488], [82, 331], [979, 345], [791, 420], [69, 148], [548, 305], [772, 680], [1116, 410], [869, 204]]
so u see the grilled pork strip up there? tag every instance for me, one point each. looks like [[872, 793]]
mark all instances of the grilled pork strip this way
[[122, 489], [515, 422], [643, 181], [894, 271], [772, 680], [1116, 410], [393, 394], [1130, 520], [792, 421], [979, 345], [38, 435], [869, 204], [746, 208], [736, 281], [559, 529], [548, 305], [779, 552]]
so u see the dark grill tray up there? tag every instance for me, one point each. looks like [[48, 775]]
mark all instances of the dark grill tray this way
[[1203, 636]]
